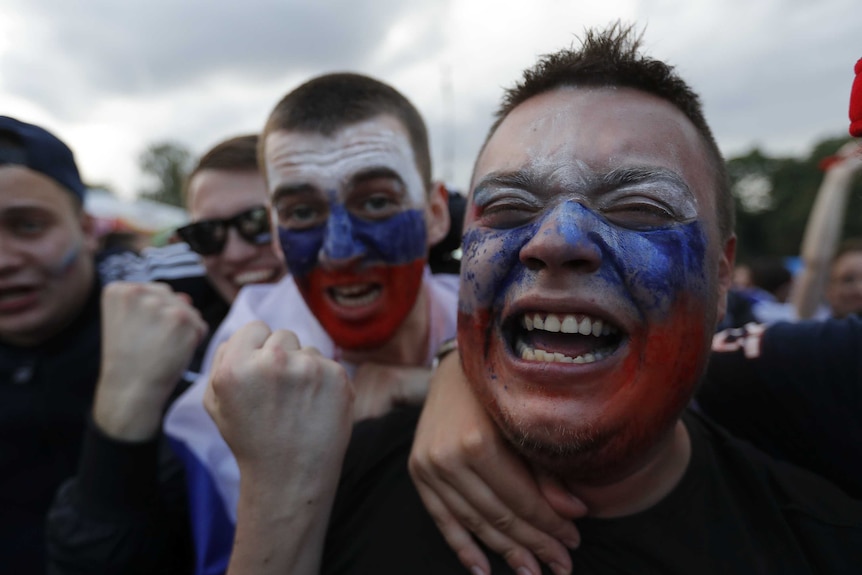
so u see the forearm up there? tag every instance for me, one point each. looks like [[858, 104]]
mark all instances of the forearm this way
[[124, 513], [822, 233], [281, 530]]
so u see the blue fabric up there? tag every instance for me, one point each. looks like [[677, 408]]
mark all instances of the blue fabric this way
[[212, 530]]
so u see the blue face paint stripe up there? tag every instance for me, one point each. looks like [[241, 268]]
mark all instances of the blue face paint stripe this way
[[652, 266], [396, 240]]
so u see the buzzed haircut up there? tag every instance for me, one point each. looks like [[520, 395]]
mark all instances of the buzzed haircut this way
[[326, 104], [237, 154], [612, 58]]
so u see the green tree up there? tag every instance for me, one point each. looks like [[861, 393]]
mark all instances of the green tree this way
[[774, 197], [167, 164]]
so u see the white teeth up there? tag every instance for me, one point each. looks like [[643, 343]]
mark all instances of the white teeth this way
[[252, 277], [353, 290], [567, 324], [348, 296], [535, 354], [552, 323], [597, 328]]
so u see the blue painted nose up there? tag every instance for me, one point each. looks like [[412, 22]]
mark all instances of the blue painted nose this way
[[339, 242]]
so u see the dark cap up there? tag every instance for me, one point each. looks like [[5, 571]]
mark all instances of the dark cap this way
[[41, 151]]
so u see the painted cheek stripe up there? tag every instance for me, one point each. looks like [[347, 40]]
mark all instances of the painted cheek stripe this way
[[400, 239]]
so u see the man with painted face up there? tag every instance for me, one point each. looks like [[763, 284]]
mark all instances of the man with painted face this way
[[598, 249], [124, 508], [50, 329], [348, 170]]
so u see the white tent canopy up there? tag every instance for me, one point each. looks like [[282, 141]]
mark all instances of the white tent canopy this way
[[141, 215]]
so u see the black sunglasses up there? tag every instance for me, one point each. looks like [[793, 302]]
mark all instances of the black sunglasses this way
[[208, 237]]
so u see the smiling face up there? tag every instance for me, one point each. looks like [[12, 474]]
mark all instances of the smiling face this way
[[591, 276], [219, 194], [844, 290], [354, 224], [46, 257]]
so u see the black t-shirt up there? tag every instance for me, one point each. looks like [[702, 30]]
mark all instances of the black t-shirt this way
[[734, 511], [795, 391]]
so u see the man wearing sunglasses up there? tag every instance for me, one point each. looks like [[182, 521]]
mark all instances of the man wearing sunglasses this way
[[348, 172], [149, 336], [230, 227]]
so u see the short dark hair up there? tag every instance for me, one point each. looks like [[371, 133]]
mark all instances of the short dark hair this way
[[237, 154], [328, 103], [848, 246], [612, 58]]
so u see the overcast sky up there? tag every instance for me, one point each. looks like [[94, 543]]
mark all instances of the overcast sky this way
[[112, 76]]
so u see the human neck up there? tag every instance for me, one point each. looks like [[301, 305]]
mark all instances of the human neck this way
[[408, 345], [648, 484]]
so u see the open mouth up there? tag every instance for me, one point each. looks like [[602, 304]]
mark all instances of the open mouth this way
[[355, 295], [562, 338], [16, 298], [255, 277]]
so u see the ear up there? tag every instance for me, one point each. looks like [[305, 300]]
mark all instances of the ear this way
[[725, 275], [88, 227], [437, 214]]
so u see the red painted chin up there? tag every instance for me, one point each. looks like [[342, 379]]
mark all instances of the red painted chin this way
[[628, 399], [363, 309]]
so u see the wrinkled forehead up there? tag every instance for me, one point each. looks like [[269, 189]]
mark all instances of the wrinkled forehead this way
[[331, 163], [568, 137]]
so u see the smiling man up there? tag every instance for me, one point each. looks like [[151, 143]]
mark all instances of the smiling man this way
[[598, 249], [348, 172]]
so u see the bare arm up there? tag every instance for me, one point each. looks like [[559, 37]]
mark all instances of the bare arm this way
[[824, 230], [285, 412], [470, 481]]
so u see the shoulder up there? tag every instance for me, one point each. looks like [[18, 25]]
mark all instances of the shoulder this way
[[797, 493]]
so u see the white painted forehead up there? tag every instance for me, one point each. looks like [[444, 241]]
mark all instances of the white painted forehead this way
[[330, 162]]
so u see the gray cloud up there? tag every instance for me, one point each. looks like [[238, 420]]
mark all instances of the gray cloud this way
[[103, 48]]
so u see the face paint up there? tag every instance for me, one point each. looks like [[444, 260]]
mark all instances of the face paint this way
[[589, 278], [350, 213], [390, 262], [656, 277], [59, 268]]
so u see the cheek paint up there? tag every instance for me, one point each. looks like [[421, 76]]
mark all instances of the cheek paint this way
[[490, 264], [648, 267], [393, 257], [397, 240], [301, 249], [65, 263]]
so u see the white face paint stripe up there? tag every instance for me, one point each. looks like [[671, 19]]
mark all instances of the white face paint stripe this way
[[329, 163]]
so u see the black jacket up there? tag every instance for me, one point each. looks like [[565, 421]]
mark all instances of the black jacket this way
[[45, 394]]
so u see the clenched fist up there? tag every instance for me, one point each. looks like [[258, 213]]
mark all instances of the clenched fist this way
[[285, 411], [149, 334]]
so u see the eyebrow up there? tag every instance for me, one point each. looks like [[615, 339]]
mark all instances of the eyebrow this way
[[375, 173], [288, 190], [519, 179], [619, 177], [616, 178]]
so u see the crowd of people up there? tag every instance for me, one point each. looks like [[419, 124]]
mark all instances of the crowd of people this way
[[308, 382]]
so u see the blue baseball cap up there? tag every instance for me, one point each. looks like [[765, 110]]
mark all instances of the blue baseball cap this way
[[41, 151]]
